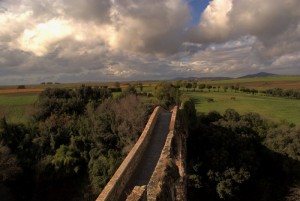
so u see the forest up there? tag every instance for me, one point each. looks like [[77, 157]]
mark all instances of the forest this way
[[242, 157], [76, 139], [72, 144]]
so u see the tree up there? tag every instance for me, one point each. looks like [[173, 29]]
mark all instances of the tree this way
[[12, 135], [117, 85], [232, 87], [102, 168], [71, 102], [188, 113], [229, 181], [178, 83], [201, 86], [208, 87], [254, 91], [194, 85], [231, 115], [294, 193], [284, 139], [236, 88], [129, 90], [167, 93], [141, 86], [8, 164], [225, 88], [188, 85], [222, 157]]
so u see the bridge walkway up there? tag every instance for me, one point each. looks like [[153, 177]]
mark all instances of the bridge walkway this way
[[151, 156]]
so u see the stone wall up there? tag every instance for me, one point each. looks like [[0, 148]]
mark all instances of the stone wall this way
[[167, 181], [138, 194], [117, 183]]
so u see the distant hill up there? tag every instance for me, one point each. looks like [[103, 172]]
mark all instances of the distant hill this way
[[261, 74], [201, 78]]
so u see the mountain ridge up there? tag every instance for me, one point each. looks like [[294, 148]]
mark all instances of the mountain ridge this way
[[260, 74]]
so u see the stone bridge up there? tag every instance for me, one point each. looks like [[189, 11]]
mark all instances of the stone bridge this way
[[154, 169]]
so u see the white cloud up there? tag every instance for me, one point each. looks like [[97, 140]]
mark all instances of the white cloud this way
[[140, 39], [214, 25], [274, 24], [149, 26], [290, 59], [39, 39]]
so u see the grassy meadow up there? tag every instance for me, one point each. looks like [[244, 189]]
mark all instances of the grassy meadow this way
[[17, 104], [273, 108], [261, 83], [17, 107]]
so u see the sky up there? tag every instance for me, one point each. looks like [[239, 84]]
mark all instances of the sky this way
[[109, 40]]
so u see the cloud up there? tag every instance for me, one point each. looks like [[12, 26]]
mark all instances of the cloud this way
[[93, 40], [214, 24], [97, 11], [226, 19], [38, 39], [153, 27], [263, 18], [57, 39], [230, 59], [274, 22]]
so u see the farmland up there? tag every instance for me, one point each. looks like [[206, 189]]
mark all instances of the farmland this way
[[17, 107], [17, 104], [273, 108], [260, 83]]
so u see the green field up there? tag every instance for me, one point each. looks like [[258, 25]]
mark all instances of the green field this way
[[258, 79], [273, 108], [261, 83], [17, 107]]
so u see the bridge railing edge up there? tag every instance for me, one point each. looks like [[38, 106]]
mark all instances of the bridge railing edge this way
[[154, 183], [117, 183]]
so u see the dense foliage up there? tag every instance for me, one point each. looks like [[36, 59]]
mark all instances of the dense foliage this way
[[243, 157], [72, 146], [167, 93]]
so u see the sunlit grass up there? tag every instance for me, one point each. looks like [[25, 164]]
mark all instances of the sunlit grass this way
[[260, 83], [273, 108], [17, 108]]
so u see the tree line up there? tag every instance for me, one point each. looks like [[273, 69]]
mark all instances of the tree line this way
[[289, 93], [193, 86], [72, 144]]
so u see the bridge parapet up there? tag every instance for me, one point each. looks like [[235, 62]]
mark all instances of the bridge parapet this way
[[168, 181], [115, 186]]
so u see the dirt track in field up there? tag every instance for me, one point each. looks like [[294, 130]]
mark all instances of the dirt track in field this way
[[11, 91]]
